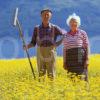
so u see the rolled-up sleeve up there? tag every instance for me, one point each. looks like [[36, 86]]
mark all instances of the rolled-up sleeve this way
[[34, 36], [59, 32]]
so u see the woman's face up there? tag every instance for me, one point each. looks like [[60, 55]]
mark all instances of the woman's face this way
[[73, 24]]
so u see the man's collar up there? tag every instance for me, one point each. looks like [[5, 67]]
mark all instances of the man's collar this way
[[49, 25]]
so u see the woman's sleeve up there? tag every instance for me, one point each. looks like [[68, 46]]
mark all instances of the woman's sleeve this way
[[86, 44]]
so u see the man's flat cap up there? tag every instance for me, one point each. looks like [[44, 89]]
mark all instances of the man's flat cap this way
[[47, 9]]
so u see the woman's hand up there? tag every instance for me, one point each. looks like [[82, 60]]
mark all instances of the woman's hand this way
[[86, 63], [65, 66]]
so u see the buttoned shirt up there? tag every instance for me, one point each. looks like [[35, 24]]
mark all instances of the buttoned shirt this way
[[47, 36]]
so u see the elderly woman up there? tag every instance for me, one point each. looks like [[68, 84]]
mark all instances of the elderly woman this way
[[76, 48]]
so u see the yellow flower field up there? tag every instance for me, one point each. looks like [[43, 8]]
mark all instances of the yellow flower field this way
[[17, 82]]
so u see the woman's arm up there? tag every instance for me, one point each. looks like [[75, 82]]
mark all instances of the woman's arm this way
[[64, 59], [86, 47]]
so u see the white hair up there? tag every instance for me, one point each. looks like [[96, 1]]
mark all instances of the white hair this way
[[75, 17]]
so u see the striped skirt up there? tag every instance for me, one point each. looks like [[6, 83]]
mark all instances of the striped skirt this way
[[75, 59]]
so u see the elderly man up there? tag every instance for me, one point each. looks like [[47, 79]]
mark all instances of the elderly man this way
[[76, 48], [45, 36]]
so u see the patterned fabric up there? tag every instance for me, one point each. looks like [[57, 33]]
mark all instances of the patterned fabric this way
[[47, 36], [45, 39], [76, 58], [75, 64], [79, 39]]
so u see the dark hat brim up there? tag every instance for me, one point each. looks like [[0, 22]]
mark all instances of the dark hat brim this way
[[46, 10]]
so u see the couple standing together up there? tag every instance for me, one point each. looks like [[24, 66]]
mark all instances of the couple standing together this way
[[75, 46]]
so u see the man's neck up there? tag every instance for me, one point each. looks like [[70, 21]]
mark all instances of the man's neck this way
[[45, 24]]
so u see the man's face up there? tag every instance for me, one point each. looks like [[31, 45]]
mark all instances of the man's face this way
[[46, 16]]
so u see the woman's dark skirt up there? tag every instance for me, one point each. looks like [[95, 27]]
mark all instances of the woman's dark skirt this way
[[76, 58]]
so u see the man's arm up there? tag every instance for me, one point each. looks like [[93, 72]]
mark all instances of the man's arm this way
[[33, 40], [59, 32]]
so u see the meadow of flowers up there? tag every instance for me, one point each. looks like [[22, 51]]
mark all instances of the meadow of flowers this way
[[17, 82]]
